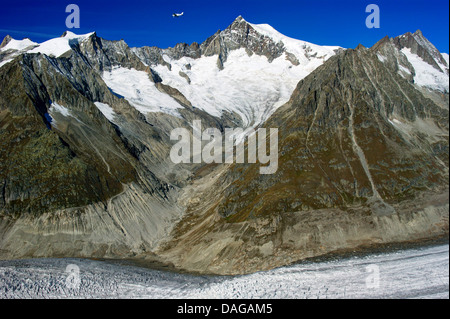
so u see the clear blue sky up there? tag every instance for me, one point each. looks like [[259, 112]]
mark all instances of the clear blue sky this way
[[139, 23]]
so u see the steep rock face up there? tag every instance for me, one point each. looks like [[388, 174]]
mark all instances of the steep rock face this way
[[240, 34], [347, 128], [363, 156], [151, 56], [76, 180], [5, 41], [389, 53], [68, 154], [184, 50], [420, 46], [418, 61]]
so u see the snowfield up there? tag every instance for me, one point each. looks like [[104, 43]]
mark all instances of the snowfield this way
[[19, 45], [54, 47], [58, 46], [137, 88], [426, 75], [413, 273], [250, 86]]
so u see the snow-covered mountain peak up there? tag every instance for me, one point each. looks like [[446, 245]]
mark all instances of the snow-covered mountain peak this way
[[56, 47], [59, 46], [53, 47], [247, 69], [416, 59], [18, 45], [11, 48], [422, 47], [70, 35], [240, 18]]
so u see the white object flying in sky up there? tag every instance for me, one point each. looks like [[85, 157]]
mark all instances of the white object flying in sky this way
[[177, 15]]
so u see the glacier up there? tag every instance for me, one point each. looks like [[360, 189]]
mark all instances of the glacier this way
[[413, 273]]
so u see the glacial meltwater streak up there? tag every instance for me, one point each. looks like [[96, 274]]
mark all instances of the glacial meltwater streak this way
[[413, 273]]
